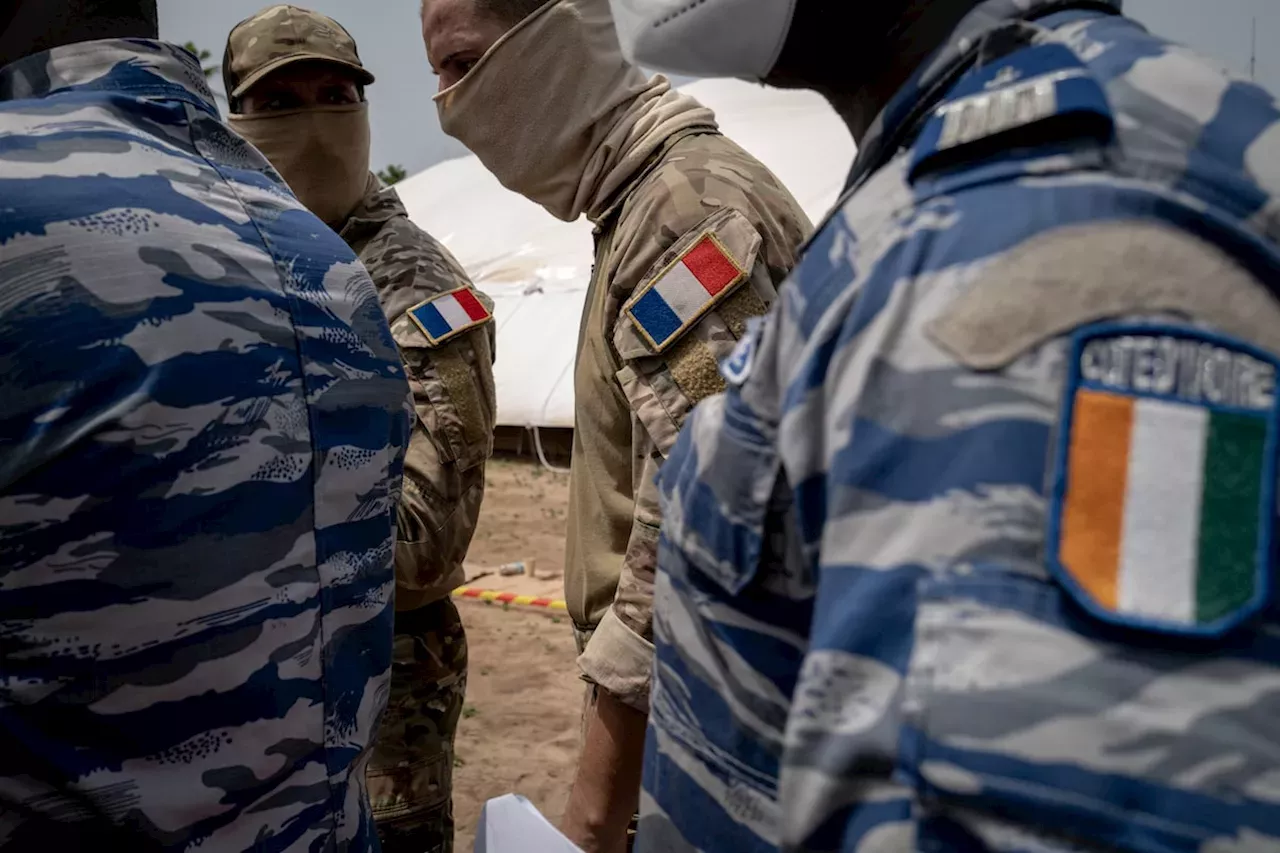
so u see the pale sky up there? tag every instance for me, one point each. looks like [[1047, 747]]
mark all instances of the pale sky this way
[[406, 132]]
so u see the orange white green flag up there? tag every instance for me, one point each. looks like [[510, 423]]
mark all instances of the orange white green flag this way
[[1164, 496]]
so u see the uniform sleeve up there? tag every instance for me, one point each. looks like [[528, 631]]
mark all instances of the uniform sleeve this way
[[686, 315], [451, 380]]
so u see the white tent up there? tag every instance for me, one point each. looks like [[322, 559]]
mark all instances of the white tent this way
[[537, 268]]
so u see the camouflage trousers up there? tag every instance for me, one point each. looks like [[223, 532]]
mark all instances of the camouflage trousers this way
[[410, 775]]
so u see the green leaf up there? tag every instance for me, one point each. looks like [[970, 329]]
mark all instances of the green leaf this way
[[392, 175], [204, 56]]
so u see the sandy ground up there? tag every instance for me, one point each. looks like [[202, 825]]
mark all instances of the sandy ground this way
[[519, 732]]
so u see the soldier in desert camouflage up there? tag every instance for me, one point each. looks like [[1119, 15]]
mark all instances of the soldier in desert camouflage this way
[[295, 83], [692, 236]]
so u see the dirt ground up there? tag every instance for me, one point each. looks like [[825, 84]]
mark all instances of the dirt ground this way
[[519, 732]]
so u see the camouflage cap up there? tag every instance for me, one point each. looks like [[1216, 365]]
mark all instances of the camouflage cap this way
[[281, 35]]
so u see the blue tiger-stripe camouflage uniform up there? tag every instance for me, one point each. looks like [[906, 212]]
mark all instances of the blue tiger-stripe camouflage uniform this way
[[975, 553], [203, 422]]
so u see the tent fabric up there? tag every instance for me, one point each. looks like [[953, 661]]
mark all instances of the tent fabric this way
[[537, 268]]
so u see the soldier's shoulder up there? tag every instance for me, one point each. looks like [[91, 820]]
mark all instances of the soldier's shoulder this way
[[1168, 96], [701, 173], [712, 155], [701, 180], [402, 255], [398, 235], [1104, 94], [425, 292]]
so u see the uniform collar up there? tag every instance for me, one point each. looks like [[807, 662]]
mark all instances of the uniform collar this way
[[135, 67], [935, 77]]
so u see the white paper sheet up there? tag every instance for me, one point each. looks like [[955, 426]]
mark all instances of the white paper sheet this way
[[511, 824]]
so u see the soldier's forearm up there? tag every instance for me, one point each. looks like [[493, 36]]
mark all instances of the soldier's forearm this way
[[606, 790]]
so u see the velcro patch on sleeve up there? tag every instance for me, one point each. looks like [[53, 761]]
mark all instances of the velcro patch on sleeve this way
[[671, 302], [447, 315], [1164, 495]]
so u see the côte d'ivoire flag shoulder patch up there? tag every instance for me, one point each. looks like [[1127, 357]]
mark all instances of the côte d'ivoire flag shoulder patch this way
[[447, 315], [1164, 494]]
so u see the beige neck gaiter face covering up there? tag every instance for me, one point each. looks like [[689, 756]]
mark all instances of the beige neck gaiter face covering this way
[[321, 152], [556, 113]]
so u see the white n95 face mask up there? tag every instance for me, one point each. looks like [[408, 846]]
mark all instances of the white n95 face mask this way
[[711, 38]]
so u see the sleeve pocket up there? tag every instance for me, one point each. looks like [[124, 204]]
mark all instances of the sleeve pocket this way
[[454, 397]]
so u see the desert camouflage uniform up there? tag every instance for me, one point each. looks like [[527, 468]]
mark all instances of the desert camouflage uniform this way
[[632, 396], [203, 423], [410, 774], [869, 637]]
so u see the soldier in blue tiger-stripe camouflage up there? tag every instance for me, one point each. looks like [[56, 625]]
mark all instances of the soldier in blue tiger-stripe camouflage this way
[[976, 551], [203, 422]]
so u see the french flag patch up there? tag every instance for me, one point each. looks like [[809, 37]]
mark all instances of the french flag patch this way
[[690, 287], [449, 314]]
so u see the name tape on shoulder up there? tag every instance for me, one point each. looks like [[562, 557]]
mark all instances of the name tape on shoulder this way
[[684, 291], [1164, 493], [448, 315], [985, 115], [1023, 89]]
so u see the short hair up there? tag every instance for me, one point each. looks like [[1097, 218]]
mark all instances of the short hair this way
[[510, 12], [507, 12]]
